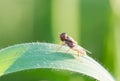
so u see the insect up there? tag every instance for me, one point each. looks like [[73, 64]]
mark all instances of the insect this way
[[72, 44]]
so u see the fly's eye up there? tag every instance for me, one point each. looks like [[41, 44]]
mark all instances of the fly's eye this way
[[63, 36]]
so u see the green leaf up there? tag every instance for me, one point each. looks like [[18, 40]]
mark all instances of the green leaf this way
[[44, 55]]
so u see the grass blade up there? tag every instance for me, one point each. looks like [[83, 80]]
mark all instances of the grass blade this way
[[44, 55]]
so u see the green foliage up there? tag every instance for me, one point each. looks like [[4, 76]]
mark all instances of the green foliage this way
[[43, 55], [93, 23]]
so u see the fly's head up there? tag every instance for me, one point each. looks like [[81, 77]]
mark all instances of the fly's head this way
[[63, 36]]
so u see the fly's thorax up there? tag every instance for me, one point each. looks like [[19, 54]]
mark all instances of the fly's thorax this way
[[70, 44]]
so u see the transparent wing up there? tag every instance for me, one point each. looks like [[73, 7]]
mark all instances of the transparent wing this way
[[81, 48]]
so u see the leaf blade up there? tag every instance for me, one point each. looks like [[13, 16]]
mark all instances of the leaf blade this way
[[44, 55]]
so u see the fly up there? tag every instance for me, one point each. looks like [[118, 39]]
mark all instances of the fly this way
[[72, 44]]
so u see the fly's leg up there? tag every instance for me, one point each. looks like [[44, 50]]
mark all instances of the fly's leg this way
[[62, 44], [68, 50], [79, 52], [78, 56]]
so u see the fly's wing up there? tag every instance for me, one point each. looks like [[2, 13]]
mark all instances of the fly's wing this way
[[88, 51], [81, 48]]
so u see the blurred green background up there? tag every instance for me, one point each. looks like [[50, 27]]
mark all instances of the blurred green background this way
[[95, 24]]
